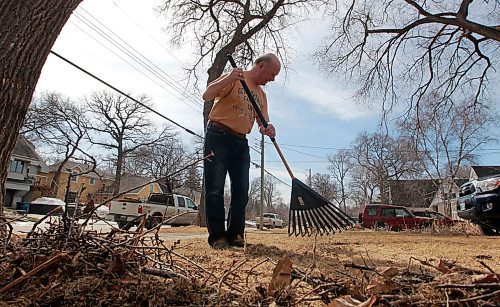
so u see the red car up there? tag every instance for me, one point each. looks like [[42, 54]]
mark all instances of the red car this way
[[393, 217], [437, 217]]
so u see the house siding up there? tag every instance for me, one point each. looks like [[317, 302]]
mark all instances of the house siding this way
[[24, 165]]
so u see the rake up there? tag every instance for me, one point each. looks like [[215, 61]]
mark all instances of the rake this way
[[309, 211]]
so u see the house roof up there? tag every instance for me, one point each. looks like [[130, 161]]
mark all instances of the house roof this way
[[130, 182], [412, 193], [485, 171], [25, 148], [82, 167]]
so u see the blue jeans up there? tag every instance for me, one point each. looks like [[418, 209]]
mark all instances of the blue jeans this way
[[231, 155]]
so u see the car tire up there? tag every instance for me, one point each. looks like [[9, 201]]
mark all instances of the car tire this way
[[124, 225], [154, 221], [379, 225], [488, 231]]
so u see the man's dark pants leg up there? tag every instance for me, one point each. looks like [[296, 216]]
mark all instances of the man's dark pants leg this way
[[231, 156]]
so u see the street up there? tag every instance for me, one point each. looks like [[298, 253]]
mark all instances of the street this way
[[101, 226]]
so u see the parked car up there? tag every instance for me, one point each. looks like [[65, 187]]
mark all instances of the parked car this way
[[270, 220], [44, 205], [479, 202], [392, 217], [102, 211], [159, 207], [250, 223], [438, 218]]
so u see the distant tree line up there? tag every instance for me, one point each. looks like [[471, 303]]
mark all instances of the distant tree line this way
[[113, 133], [436, 144]]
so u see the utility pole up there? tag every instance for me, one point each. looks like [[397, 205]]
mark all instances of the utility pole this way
[[310, 178], [261, 226]]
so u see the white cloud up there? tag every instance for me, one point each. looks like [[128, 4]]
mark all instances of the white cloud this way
[[326, 97]]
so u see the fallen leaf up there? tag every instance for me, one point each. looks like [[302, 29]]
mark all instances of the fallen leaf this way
[[388, 271], [348, 301], [381, 285], [455, 277], [485, 278], [441, 266], [281, 275], [437, 264]]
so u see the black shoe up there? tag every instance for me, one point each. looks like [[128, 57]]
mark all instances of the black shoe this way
[[238, 241], [220, 243]]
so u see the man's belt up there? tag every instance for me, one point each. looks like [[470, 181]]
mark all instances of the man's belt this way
[[226, 128]]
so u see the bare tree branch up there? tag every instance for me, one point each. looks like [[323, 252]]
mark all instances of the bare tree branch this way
[[398, 52]]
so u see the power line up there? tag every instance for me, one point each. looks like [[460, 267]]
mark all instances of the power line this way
[[304, 153], [150, 35], [116, 54], [297, 161], [265, 170], [124, 94], [136, 59], [119, 56], [313, 147], [167, 78], [350, 148]]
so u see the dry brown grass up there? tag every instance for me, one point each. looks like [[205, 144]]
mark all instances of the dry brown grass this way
[[374, 247]]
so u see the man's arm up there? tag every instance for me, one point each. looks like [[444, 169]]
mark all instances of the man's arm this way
[[214, 88], [269, 131]]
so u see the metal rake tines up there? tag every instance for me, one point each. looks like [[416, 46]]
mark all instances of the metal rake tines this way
[[323, 220]]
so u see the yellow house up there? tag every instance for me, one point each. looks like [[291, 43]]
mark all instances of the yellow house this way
[[82, 185], [92, 185], [138, 188]]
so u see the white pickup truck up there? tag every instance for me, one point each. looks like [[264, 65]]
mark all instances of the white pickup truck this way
[[270, 220], [158, 207]]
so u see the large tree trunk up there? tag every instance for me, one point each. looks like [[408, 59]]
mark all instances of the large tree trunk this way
[[118, 171], [28, 29]]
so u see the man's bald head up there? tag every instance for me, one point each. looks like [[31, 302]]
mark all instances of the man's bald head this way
[[267, 58], [267, 68]]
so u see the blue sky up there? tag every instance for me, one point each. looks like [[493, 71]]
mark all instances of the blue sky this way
[[307, 109]]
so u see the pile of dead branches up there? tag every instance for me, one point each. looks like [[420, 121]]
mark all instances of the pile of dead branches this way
[[426, 282], [65, 264]]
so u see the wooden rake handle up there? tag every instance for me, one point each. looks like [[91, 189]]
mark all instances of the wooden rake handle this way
[[261, 117]]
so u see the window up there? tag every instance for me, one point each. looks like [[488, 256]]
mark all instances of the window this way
[[92, 181], [151, 188], [182, 203], [372, 211], [402, 213], [74, 177], [17, 166], [436, 215], [388, 212], [191, 204]]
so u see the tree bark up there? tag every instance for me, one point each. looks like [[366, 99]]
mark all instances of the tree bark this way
[[28, 29], [118, 171]]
